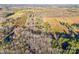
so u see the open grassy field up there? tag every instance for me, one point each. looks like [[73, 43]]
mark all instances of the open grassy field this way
[[39, 29]]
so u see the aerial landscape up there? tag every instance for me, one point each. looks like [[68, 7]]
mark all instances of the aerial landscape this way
[[39, 29]]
